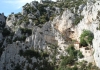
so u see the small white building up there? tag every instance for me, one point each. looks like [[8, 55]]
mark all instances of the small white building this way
[[85, 50]]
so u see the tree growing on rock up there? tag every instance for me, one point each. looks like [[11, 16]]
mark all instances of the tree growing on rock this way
[[86, 38]]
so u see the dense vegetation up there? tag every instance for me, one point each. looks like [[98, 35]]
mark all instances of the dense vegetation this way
[[71, 3], [41, 15], [1, 50], [41, 56], [32, 53], [26, 30], [70, 62], [5, 32], [86, 38]]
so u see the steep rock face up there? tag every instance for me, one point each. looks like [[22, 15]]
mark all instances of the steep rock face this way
[[11, 19], [10, 56], [91, 22], [39, 40], [2, 25], [96, 46], [58, 32], [65, 21], [64, 24]]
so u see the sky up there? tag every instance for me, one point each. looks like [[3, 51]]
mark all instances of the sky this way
[[9, 6]]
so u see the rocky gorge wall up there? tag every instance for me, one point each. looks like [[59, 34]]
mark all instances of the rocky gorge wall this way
[[89, 22], [59, 32]]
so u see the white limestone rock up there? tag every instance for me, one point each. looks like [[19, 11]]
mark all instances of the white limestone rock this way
[[65, 21], [90, 22]]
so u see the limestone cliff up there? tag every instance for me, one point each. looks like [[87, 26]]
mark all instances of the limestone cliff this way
[[37, 37]]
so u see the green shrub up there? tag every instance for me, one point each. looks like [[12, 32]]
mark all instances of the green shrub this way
[[79, 54], [1, 51], [67, 60], [1, 43], [8, 40], [60, 5], [42, 20], [19, 22], [28, 68], [36, 22], [86, 38], [17, 67], [22, 38], [14, 24], [72, 57], [16, 15], [41, 9], [26, 30], [74, 53], [5, 32], [70, 3], [20, 52], [71, 51], [77, 19], [44, 54], [31, 53], [9, 18]]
